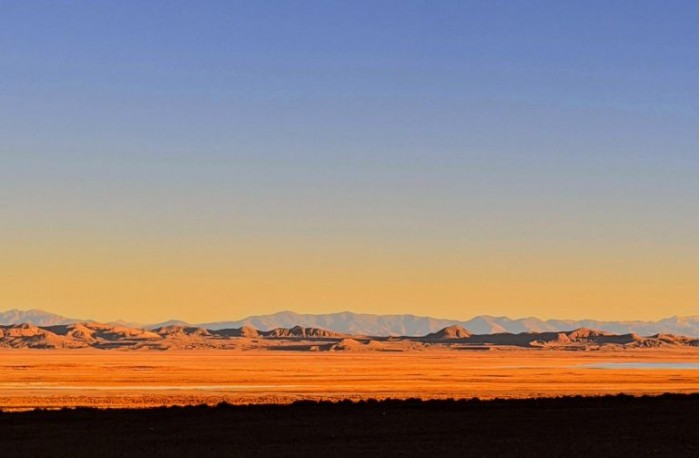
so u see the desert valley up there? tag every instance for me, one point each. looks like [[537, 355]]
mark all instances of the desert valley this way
[[349, 229], [113, 365], [92, 389]]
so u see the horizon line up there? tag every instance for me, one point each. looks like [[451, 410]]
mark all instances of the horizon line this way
[[197, 322]]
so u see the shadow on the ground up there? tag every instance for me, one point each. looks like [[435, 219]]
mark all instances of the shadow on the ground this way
[[603, 426]]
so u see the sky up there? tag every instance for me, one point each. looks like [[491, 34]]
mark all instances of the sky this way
[[216, 159]]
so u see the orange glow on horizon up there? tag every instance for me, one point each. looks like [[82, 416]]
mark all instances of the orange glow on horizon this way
[[203, 282]]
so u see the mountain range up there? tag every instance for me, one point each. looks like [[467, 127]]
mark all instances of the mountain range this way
[[390, 325], [104, 336]]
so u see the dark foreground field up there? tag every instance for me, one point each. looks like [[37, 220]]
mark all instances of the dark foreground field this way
[[569, 427]]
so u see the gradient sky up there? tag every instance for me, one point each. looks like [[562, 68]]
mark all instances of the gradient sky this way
[[210, 160]]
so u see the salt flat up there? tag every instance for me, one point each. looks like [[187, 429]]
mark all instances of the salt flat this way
[[112, 378]]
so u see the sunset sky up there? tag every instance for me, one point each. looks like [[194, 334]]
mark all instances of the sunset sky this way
[[211, 160]]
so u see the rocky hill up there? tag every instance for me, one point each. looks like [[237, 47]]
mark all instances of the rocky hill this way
[[298, 338], [391, 325], [449, 333]]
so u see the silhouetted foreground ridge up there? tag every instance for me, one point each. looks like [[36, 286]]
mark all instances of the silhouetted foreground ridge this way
[[573, 427]]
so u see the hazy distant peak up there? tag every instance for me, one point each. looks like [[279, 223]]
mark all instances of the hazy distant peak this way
[[396, 325], [34, 316]]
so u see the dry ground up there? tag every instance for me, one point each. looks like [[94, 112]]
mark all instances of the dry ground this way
[[108, 378]]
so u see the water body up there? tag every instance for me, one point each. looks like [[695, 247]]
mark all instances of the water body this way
[[640, 365], [57, 386]]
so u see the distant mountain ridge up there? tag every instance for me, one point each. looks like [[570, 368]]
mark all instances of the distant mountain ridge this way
[[411, 325], [396, 325], [34, 316]]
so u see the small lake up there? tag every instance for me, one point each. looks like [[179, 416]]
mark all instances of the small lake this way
[[639, 365]]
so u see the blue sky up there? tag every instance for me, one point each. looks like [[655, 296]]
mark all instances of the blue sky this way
[[567, 128]]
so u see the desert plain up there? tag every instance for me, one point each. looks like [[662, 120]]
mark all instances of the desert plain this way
[[56, 378]]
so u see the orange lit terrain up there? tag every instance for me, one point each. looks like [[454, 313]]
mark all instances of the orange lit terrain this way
[[113, 378]]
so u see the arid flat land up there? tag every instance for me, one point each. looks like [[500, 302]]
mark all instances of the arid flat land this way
[[112, 378]]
